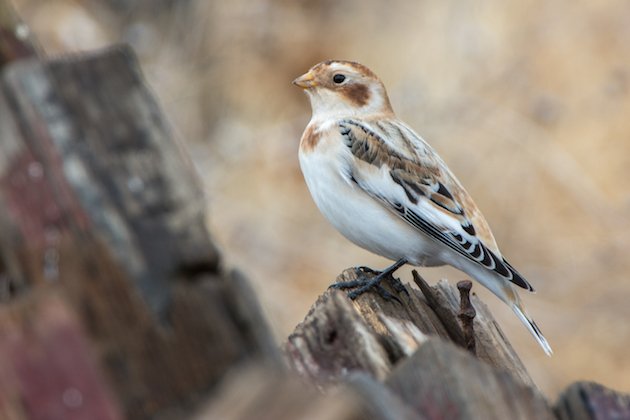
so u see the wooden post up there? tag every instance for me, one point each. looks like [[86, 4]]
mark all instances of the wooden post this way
[[414, 344], [410, 342], [372, 334], [105, 252]]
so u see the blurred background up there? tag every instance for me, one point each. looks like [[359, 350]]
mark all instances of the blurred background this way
[[527, 101]]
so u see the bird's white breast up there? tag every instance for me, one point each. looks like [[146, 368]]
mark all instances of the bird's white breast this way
[[358, 216]]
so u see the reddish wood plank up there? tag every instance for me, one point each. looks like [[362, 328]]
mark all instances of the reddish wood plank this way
[[98, 203], [48, 369]]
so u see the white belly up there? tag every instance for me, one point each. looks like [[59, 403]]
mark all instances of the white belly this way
[[361, 218]]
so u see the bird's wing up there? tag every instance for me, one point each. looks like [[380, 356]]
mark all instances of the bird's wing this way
[[391, 163]]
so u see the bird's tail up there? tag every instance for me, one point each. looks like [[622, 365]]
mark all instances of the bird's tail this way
[[532, 327], [507, 293]]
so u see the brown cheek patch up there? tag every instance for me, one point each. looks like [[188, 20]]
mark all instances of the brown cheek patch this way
[[358, 94]]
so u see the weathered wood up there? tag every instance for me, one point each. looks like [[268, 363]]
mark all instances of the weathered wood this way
[[46, 367], [491, 345], [592, 401], [390, 330], [333, 340], [446, 382], [85, 147], [410, 308], [99, 207], [411, 342], [267, 395], [263, 394], [379, 400]]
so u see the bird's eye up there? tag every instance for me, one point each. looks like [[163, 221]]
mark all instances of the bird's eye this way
[[339, 78]]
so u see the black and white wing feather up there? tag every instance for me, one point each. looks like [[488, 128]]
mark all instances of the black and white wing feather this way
[[398, 168]]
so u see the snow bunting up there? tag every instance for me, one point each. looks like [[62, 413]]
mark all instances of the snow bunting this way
[[385, 189]]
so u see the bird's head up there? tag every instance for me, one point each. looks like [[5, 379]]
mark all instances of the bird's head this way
[[344, 88]]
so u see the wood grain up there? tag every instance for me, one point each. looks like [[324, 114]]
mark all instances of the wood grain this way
[[100, 209], [444, 381]]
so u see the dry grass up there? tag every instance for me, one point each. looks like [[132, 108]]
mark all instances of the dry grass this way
[[528, 102]]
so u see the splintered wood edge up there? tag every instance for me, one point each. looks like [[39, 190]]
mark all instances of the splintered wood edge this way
[[492, 345], [408, 305], [333, 340], [399, 326], [402, 322]]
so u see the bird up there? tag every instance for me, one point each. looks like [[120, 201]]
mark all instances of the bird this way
[[384, 188]]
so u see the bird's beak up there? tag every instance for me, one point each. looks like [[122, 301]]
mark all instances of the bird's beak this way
[[305, 81]]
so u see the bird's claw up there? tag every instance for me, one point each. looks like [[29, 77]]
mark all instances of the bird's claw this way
[[393, 281], [397, 285], [363, 284]]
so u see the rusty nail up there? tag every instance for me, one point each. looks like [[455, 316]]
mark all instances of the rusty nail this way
[[466, 314]]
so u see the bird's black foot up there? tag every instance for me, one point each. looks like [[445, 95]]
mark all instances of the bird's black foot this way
[[393, 281], [363, 283], [397, 285]]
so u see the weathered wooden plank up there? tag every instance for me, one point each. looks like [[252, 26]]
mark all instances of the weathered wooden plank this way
[[46, 367], [334, 341], [93, 133], [370, 334], [409, 307], [490, 342], [267, 395], [98, 203], [397, 326], [386, 338], [443, 381], [592, 401], [263, 394], [379, 400]]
